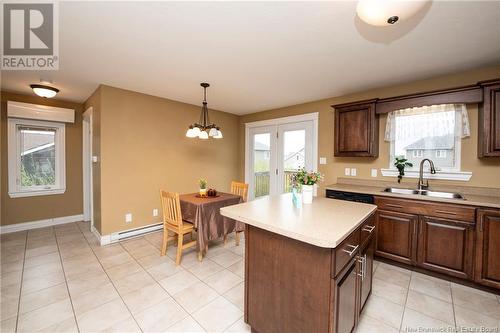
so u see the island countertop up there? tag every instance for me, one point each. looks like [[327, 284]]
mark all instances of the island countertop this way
[[324, 223]]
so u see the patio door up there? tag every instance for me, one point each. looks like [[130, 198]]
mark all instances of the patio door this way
[[275, 153]]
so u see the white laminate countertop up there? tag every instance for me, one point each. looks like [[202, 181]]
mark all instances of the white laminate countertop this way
[[324, 223]]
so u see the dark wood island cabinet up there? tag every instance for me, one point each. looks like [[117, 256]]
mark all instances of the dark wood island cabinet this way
[[308, 269]]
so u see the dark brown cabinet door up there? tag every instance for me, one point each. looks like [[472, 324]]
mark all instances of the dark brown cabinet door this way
[[356, 130], [345, 309], [366, 272], [446, 246], [489, 121], [396, 236], [488, 248]]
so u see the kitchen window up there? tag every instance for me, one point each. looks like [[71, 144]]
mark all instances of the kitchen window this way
[[36, 157], [434, 132]]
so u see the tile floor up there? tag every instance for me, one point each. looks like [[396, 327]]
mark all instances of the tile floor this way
[[59, 279]]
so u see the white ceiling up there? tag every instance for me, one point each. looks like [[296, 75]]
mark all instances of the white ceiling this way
[[259, 55]]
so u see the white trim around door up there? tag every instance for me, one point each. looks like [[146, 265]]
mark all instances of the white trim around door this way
[[87, 166], [265, 125]]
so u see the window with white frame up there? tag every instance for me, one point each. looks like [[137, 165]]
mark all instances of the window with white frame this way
[[418, 153], [432, 132], [36, 157], [441, 153]]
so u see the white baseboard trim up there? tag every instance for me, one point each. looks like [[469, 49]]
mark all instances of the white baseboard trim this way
[[130, 233], [5, 229]]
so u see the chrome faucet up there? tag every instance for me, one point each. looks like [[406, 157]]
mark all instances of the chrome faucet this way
[[421, 185]]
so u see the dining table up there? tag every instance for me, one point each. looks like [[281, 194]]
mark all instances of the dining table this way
[[204, 214]]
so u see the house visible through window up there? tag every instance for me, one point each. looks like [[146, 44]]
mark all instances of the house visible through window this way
[[432, 132], [36, 157]]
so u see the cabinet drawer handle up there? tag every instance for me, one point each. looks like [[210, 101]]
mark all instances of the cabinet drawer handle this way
[[353, 249], [445, 212], [369, 228], [394, 206]]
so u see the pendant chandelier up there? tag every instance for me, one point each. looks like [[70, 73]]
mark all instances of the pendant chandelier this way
[[204, 129]]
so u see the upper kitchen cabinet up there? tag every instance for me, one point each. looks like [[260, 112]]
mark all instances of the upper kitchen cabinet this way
[[356, 129], [489, 120]]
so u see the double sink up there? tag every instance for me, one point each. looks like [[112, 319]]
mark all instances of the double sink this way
[[436, 194]]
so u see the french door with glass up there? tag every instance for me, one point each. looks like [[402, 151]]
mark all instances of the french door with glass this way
[[275, 153]]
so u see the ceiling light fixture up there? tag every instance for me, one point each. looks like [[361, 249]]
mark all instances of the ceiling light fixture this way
[[204, 129], [387, 12], [44, 90]]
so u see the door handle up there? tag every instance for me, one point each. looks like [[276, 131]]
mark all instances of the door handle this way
[[361, 274]]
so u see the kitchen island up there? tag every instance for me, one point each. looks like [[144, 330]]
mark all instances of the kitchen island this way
[[307, 269]]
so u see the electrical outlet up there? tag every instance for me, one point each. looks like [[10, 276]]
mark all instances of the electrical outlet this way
[[353, 172], [155, 212], [347, 171], [322, 160], [128, 218], [94, 159], [374, 172]]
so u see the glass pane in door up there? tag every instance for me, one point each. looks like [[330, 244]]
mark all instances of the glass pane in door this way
[[294, 144], [261, 163]]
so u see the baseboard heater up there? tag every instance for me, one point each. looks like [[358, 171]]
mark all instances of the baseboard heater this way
[[131, 233]]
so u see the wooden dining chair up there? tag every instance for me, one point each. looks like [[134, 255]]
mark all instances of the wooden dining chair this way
[[240, 189], [172, 222]]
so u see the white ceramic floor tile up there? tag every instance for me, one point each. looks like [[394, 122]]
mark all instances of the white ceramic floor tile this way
[[226, 259], [433, 287], [195, 296], [476, 300], [430, 306], [8, 325], [468, 320], [368, 324], [236, 295], [177, 282], [44, 297], [414, 321], [217, 315], [223, 281], [238, 268], [45, 317], [392, 292], [144, 297], [393, 274], [103, 316], [205, 268], [385, 311], [92, 298], [186, 325], [165, 269], [133, 282], [160, 316]]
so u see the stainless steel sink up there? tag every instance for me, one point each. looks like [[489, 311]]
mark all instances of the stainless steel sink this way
[[446, 195], [436, 194], [401, 190]]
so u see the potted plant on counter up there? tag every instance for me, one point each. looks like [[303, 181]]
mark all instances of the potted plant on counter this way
[[306, 181], [203, 187], [400, 162]]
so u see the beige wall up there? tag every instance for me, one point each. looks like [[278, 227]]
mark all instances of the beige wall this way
[[18, 210], [144, 149], [486, 172]]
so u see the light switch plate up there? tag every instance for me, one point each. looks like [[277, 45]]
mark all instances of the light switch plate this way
[[128, 218], [322, 160], [155, 212], [374, 172], [347, 171], [353, 171]]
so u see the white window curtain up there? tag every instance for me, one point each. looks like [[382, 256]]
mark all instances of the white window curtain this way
[[436, 125]]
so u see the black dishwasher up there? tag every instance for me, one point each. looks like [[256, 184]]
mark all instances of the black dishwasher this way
[[350, 196]]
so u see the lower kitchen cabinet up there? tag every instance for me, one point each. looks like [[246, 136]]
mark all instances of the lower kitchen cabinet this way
[[345, 291], [446, 246], [487, 270], [366, 271], [396, 238]]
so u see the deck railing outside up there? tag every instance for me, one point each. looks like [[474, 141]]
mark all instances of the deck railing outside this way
[[262, 182]]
